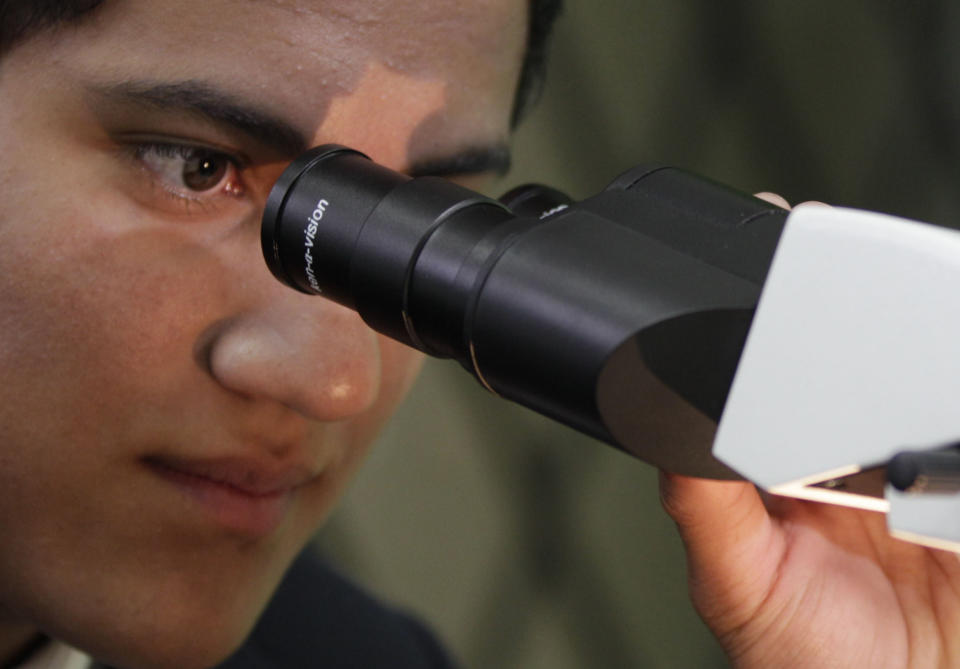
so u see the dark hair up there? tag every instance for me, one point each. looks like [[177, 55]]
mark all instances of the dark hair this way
[[19, 19]]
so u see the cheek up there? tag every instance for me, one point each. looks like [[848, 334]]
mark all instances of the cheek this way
[[400, 366], [89, 313]]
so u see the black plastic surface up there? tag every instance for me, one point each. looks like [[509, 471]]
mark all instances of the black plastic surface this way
[[658, 275]]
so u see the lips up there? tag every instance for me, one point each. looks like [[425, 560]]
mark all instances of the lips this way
[[243, 495]]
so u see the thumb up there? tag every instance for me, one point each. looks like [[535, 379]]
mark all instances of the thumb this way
[[733, 546]]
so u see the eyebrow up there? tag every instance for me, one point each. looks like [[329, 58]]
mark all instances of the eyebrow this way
[[216, 106], [201, 99], [494, 158]]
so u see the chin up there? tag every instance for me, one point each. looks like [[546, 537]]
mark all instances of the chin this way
[[181, 602], [203, 647], [171, 630]]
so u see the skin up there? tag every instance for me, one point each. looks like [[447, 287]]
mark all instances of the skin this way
[[789, 583], [138, 321]]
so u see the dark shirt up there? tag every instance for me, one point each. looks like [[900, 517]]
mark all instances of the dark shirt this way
[[319, 619]]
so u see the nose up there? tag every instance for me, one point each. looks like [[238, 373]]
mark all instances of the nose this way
[[306, 353]]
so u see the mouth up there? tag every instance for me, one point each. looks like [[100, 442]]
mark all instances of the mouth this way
[[240, 495]]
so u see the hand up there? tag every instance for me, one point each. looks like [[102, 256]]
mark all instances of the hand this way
[[788, 583]]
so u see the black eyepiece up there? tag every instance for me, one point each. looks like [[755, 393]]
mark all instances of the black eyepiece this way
[[300, 203], [339, 225]]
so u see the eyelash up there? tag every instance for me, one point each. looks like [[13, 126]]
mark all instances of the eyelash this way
[[151, 154]]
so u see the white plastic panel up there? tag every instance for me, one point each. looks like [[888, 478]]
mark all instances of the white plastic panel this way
[[854, 353]]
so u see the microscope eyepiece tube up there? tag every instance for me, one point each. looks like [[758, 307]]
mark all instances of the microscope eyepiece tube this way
[[568, 311]]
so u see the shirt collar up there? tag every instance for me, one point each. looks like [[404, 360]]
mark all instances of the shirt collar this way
[[57, 655]]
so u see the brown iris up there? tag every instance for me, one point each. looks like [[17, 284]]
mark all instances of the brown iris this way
[[204, 170]]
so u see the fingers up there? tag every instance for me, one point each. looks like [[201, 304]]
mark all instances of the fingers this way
[[716, 516], [773, 198], [780, 201]]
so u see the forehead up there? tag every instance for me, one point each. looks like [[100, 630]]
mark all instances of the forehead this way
[[301, 55], [430, 38], [392, 28]]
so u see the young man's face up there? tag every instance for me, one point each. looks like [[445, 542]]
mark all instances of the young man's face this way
[[174, 423]]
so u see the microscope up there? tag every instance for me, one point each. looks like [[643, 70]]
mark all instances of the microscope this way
[[820, 340]]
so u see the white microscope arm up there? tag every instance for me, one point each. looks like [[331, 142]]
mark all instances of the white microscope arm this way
[[853, 357]]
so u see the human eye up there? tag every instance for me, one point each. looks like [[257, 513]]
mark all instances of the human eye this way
[[190, 175]]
